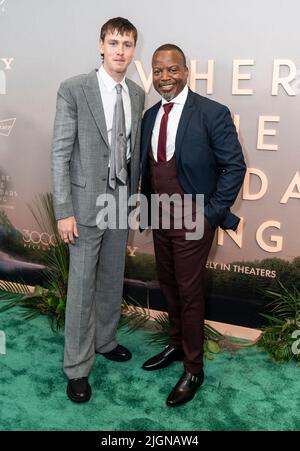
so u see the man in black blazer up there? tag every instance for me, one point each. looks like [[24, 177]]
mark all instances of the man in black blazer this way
[[189, 146]]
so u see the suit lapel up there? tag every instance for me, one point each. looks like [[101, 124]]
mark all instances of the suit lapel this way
[[183, 123], [187, 111], [93, 97], [147, 127]]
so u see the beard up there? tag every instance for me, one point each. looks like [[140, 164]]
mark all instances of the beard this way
[[167, 96]]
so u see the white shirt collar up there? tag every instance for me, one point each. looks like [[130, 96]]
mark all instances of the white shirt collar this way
[[180, 98], [109, 82]]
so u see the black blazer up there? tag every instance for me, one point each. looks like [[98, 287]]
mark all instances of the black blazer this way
[[209, 157]]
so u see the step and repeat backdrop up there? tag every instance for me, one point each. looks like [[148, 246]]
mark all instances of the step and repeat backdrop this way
[[243, 54]]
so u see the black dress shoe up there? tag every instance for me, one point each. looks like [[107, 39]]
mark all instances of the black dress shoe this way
[[185, 389], [79, 390], [162, 360], [118, 354]]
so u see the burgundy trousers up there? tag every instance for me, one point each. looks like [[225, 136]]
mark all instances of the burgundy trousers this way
[[181, 266]]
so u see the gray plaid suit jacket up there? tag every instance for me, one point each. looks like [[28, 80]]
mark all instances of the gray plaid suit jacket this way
[[80, 151]]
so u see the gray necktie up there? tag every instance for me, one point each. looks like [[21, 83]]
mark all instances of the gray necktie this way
[[118, 161]]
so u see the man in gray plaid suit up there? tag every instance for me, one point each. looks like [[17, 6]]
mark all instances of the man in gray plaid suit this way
[[96, 148]]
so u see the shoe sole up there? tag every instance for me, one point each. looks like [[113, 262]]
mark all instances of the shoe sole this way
[[160, 367], [181, 403]]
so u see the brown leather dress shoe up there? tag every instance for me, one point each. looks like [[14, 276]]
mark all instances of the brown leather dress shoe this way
[[79, 389], [168, 355], [185, 389], [118, 354]]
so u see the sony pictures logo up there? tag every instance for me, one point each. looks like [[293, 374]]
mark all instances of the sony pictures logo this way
[[6, 126]]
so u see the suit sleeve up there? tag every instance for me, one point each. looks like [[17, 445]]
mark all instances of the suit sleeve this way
[[65, 131], [231, 166]]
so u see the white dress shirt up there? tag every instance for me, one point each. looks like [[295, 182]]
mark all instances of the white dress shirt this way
[[173, 121], [108, 92]]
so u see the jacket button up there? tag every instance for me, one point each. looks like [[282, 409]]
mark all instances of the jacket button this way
[[103, 180]]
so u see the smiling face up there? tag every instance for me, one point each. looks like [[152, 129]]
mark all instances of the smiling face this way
[[169, 73], [118, 52]]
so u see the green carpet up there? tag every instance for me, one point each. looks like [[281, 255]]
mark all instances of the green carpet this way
[[245, 391]]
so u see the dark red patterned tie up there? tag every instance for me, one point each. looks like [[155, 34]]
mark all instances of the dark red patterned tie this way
[[162, 138]]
